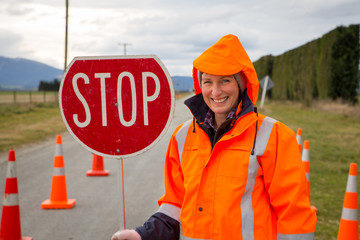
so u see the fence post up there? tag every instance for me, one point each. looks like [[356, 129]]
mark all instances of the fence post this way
[[14, 96], [44, 96], [30, 96]]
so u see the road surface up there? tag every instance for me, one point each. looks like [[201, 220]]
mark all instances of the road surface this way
[[97, 213]]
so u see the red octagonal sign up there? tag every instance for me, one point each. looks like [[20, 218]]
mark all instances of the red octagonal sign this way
[[117, 106]]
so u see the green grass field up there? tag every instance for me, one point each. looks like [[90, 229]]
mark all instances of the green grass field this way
[[22, 124], [333, 131]]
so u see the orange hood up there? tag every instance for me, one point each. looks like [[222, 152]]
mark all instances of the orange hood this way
[[227, 57]]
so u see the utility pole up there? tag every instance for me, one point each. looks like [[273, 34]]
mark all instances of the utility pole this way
[[124, 44], [358, 88], [66, 33]]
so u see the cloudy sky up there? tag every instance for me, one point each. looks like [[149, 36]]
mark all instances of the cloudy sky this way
[[176, 31]]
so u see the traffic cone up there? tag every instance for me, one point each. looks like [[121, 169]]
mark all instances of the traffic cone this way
[[10, 227], [298, 138], [97, 167], [305, 156], [349, 228], [58, 197]]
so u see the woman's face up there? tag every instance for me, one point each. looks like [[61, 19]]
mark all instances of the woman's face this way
[[220, 93]]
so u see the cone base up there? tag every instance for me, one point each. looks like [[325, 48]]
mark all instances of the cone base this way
[[22, 238], [48, 204], [92, 173]]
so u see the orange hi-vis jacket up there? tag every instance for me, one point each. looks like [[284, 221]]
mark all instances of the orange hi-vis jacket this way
[[244, 182]]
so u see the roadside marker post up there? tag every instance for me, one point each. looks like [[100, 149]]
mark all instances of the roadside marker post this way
[[266, 84]]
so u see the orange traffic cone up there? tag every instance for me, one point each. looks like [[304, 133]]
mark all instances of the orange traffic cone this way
[[298, 138], [305, 156], [349, 228], [10, 228], [97, 167], [58, 197]]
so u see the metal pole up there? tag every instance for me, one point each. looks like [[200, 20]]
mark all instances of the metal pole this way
[[121, 179], [66, 33]]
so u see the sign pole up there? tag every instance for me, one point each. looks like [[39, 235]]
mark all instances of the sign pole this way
[[121, 183]]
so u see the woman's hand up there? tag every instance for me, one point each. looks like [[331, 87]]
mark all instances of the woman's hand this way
[[126, 235]]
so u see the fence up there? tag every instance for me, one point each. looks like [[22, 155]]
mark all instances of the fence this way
[[28, 96]]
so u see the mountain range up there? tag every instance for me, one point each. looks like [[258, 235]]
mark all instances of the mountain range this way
[[25, 74]]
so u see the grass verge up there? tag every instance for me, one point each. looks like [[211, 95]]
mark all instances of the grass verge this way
[[22, 124]]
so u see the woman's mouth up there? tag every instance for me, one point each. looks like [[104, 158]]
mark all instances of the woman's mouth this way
[[220, 100]]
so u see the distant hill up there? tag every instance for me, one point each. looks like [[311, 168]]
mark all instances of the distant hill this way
[[24, 74]]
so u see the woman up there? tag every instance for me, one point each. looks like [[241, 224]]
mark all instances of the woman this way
[[230, 173]]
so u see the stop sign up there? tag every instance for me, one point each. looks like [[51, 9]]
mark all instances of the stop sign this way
[[117, 106]]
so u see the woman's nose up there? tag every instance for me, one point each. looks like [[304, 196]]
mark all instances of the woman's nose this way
[[216, 90]]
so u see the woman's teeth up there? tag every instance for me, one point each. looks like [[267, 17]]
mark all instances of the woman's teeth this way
[[220, 100]]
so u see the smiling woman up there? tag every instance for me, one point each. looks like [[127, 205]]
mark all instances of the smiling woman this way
[[221, 94]]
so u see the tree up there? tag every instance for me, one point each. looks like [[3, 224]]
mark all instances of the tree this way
[[49, 86], [344, 65]]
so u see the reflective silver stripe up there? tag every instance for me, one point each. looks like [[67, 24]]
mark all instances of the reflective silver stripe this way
[[351, 185], [58, 150], [308, 177], [303, 236], [305, 156], [58, 172], [188, 238], [11, 199], [170, 210], [298, 139], [11, 169], [181, 136], [349, 214], [263, 135], [247, 213]]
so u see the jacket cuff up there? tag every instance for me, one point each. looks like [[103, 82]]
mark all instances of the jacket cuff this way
[[159, 226]]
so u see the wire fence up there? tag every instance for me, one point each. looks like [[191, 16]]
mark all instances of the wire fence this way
[[29, 96]]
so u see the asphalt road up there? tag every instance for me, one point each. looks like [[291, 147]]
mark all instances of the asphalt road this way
[[98, 212]]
